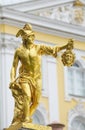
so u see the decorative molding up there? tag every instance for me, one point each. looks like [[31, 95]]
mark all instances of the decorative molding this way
[[66, 13], [9, 42]]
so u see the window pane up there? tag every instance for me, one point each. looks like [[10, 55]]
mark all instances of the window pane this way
[[70, 73], [76, 81], [79, 74], [82, 127], [70, 86]]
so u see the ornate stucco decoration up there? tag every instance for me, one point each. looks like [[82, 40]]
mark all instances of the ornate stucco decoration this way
[[8, 41], [72, 13], [78, 3], [78, 112], [78, 11]]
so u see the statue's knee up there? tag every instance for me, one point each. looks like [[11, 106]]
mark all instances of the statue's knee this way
[[27, 98], [37, 103]]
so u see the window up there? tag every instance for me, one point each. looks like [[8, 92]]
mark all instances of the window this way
[[75, 81]]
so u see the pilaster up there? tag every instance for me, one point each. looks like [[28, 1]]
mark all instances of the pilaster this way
[[7, 47]]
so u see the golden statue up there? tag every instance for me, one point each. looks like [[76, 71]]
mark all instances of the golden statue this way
[[26, 88]]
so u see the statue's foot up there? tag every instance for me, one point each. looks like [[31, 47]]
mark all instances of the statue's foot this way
[[15, 123], [27, 120]]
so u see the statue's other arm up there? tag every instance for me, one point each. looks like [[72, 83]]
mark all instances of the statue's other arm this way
[[14, 66]]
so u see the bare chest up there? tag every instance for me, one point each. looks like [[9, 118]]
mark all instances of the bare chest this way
[[29, 55]]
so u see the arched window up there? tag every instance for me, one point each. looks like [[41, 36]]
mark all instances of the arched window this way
[[76, 117], [75, 81], [78, 123], [40, 116]]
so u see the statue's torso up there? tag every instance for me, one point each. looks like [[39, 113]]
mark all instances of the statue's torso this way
[[30, 60]]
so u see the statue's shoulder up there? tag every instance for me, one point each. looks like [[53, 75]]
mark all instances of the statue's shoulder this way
[[18, 50], [37, 46]]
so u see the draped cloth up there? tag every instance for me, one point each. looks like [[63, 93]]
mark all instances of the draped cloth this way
[[20, 96]]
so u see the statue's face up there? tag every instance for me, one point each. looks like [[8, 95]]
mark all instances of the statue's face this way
[[69, 58], [27, 37]]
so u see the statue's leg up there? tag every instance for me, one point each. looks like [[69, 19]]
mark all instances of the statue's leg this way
[[35, 101], [18, 106], [17, 117], [15, 120], [26, 101]]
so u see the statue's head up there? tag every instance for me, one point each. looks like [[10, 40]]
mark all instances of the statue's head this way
[[68, 58], [26, 33]]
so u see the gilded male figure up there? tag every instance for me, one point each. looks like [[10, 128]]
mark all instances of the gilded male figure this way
[[26, 88]]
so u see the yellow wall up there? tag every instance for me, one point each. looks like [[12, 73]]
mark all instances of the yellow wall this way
[[64, 106], [43, 37]]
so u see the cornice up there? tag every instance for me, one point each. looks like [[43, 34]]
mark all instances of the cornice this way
[[40, 24], [39, 4]]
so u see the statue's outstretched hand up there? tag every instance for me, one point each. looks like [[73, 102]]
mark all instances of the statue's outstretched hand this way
[[70, 44]]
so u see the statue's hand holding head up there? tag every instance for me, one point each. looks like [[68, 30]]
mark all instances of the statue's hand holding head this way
[[70, 44]]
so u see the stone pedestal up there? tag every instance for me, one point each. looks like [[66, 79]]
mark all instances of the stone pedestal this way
[[56, 126], [28, 126]]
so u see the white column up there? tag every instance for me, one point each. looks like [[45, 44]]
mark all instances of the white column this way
[[52, 89], [6, 100]]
